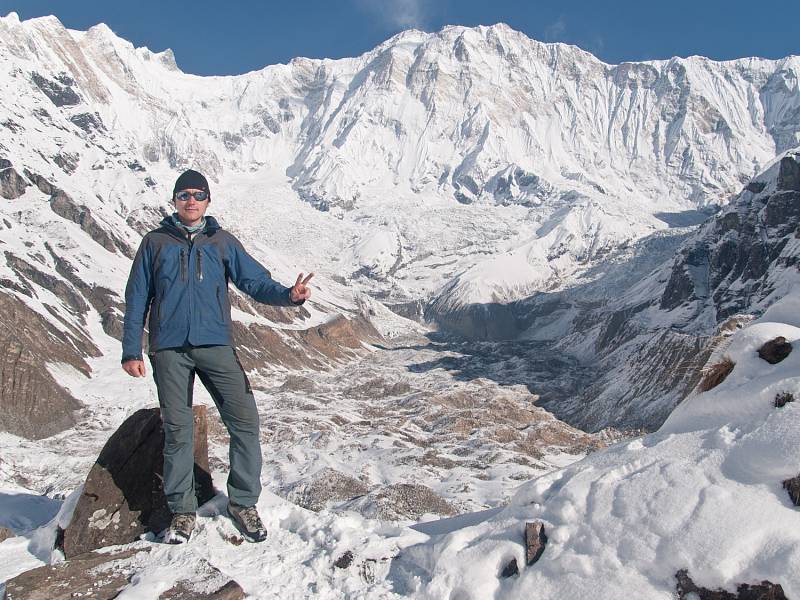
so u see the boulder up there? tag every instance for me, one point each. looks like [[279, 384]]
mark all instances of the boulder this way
[[510, 570], [688, 590], [101, 576], [774, 351], [793, 487], [192, 591], [123, 496], [535, 541], [104, 575]]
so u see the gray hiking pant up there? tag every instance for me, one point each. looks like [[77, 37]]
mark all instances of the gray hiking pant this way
[[221, 373]]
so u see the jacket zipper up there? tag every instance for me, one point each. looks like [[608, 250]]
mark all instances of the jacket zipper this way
[[184, 264], [219, 303], [199, 265]]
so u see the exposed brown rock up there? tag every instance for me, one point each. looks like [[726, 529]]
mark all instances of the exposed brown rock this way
[[344, 561], [328, 485], [715, 374], [316, 347], [6, 533], [510, 569], [103, 576], [793, 487], [123, 495], [94, 575], [535, 541], [688, 590], [12, 184], [783, 399], [30, 273], [32, 403], [405, 501], [774, 351], [68, 161], [103, 300], [40, 182], [64, 206], [186, 591]]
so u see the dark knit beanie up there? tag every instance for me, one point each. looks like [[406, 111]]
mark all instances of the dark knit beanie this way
[[191, 180]]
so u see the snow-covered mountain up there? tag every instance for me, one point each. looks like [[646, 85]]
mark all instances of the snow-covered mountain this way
[[581, 156]]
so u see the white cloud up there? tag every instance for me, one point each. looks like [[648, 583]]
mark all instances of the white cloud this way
[[398, 14], [556, 30]]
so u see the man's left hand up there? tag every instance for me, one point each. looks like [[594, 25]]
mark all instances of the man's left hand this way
[[300, 291]]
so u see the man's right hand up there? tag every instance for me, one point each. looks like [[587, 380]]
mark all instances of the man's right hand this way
[[134, 368]]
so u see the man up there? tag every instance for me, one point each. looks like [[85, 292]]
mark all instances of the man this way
[[180, 274]]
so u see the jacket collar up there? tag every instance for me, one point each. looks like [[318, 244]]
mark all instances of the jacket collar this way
[[211, 226]]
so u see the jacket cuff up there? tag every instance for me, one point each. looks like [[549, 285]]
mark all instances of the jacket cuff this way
[[126, 358]]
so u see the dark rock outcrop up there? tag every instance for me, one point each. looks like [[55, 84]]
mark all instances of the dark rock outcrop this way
[[793, 487], [535, 541], [345, 560], [89, 122], [67, 161], [6, 533], [12, 184], [64, 206], [102, 299], [40, 182], [59, 91], [32, 402], [511, 569], [103, 576], [774, 351], [783, 399], [123, 495], [688, 590], [94, 575]]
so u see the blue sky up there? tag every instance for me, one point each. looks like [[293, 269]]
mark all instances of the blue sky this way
[[233, 36]]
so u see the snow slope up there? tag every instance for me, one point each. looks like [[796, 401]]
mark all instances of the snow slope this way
[[702, 493]]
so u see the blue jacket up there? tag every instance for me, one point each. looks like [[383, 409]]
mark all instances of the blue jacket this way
[[185, 287]]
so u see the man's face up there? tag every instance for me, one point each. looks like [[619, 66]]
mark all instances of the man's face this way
[[191, 210]]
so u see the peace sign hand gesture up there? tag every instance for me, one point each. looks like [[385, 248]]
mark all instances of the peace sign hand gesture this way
[[300, 291]]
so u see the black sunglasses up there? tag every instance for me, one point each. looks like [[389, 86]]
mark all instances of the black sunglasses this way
[[184, 196]]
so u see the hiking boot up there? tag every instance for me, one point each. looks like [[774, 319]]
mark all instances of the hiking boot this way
[[180, 529], [247, 522]]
